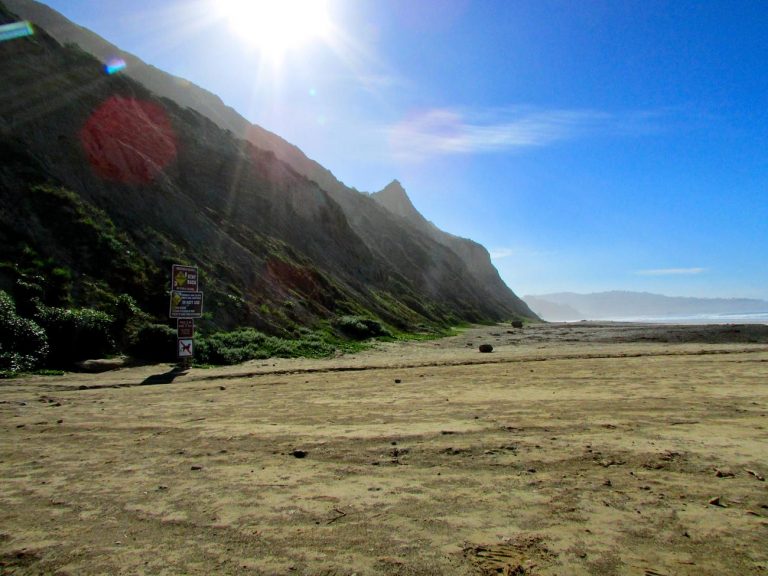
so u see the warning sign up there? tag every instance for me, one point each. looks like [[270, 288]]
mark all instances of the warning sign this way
[[184, 278], [186, 304], [185, 347]]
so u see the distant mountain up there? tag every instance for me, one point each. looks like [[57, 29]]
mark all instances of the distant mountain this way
[[621, 304], [553, 311], [106, 180]]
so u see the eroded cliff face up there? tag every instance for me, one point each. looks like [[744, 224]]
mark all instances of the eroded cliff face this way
[[474, 256], [157, 183]]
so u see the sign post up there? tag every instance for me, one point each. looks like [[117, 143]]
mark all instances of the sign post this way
[[186, 305]]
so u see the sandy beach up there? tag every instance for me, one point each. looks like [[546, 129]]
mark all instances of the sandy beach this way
[[570, 449]]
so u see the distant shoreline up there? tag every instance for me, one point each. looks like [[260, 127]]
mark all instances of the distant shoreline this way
[[695, 319]]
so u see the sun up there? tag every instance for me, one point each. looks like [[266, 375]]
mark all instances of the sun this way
[[275, 27]]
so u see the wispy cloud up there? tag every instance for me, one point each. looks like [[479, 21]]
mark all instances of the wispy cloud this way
[[671, 272], [444, 131], [499, 253]]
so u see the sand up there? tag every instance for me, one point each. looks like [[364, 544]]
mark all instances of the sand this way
[[570, 449]]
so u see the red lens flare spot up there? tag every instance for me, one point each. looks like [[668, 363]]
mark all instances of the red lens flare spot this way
[[129, 140]]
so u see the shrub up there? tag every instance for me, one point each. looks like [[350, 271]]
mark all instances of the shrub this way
[[23, 344], [360, 328], [128, 319], [154, 343], [249, 344], [75, 334]]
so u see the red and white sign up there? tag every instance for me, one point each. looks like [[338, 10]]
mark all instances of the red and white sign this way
[[185, 348]]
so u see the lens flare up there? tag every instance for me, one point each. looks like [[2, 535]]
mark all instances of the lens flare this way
[[128, 140], [15, 30], [114, 65]]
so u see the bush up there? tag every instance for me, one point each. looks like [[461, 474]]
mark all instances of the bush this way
[[360, 328], [154, 343], [249, 344], [23, 344], [75, 334], [129, 319]]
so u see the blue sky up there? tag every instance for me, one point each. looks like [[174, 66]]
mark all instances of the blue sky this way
[[590, 146]]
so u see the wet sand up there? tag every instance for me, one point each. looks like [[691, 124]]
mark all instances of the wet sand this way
[[570, 449]]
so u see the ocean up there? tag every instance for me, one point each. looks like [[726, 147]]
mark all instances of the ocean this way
[[751, 318]]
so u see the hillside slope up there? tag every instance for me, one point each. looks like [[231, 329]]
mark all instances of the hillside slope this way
[[187, 94], [157, 183]]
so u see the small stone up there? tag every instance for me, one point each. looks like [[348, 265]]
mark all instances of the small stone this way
[[222, 387], [755, 474], [717, 501], [162, 487], [59, 421], [196, 467], [397, 380], [607, 483], [724, 473], [299, 453], [485, 348]]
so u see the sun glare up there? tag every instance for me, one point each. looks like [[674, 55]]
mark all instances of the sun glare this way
[[275, 27]]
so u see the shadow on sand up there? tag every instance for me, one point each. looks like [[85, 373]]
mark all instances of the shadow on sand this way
[[165, 377]]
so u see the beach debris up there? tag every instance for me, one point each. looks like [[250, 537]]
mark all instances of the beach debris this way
[[397, 452], [222, 387], [454, 451], [340, 513], [485, 348], [196, 467], [755, 474], [398, 380], [299, 453], [724, 473], [718, 501], [607, 482]]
